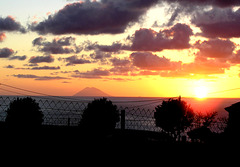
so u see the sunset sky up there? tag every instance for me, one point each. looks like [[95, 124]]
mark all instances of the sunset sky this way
[[150, 48]]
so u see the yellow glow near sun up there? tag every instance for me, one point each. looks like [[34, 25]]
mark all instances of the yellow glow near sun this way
[[201, 92]]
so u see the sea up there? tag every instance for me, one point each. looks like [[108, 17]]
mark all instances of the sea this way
[[59, 110], [204, 106]]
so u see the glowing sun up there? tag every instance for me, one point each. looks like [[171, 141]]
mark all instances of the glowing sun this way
[[201, 92]]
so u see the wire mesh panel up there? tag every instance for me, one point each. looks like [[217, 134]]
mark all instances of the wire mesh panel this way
[[69, 113], [140, 119], [56, 112], [4, 104]]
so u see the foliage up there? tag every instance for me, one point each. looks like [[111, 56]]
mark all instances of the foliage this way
[[174, 115], [24, 112], [202, 131], [205, 119], [100, 115]]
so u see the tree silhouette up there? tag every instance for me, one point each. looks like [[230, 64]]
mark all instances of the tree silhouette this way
[[24, 113], [202, 131], [174, 116], [100, 116]]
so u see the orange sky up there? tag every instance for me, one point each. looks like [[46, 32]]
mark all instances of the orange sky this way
[[137, 48]]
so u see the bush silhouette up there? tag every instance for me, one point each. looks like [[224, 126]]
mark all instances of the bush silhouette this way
[[24, 112], [100, 116], [174, 116], [202, 131]]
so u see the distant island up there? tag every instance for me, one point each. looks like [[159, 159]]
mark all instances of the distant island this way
[[91, 91]]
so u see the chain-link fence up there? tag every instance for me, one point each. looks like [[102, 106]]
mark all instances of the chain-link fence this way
[[69, 113]]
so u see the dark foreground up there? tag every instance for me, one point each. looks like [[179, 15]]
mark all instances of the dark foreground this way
[[74, 137], [70, 144]]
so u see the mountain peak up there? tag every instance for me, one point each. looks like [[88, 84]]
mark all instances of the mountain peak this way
[[91, 91]]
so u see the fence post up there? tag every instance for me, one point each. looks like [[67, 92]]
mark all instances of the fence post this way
[[69, 121], [122, 119]]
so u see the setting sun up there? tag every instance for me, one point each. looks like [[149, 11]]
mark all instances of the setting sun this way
[[201, 92]]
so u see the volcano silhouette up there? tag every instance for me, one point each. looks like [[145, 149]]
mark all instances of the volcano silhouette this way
[[91, 91]]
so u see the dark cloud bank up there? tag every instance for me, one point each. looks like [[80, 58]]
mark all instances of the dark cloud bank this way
[[107, 16], [39, 78], [9, 24]]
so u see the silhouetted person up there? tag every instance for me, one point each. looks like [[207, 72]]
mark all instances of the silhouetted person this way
[[100, 117], [24, 113]]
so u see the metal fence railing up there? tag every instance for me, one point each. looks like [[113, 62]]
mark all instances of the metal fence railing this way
[[69, 113]]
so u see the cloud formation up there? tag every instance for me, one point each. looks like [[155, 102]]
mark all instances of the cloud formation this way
[[115, 47], [74, 60], [46, 68], [94, 17], [39, 78], [217, 3], [96, 73], [149, 61], [176, 37], [41, 59], [122, 66], [217, 22], [9, 24], [215, 48], [64, 45], [6, 52], [21, 58]]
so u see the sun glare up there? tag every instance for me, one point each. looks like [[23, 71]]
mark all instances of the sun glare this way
[[201, 92]]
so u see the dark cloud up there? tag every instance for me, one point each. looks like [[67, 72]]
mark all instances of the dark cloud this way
[[115, 47], [99, 56], [217, 3], [31, 65], [2, 36], [149, 61], [74, 60], [120, 62], [6, 52], [215, 48], [177, 37], [123, 70], [9, 24], [97, 73], [41, 59], [64, 45], [39, 41], [46, 68], [178, 9], [217, 22], [93, 17], [40, 78], [21, 58], [64, 41], [121, 66]]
